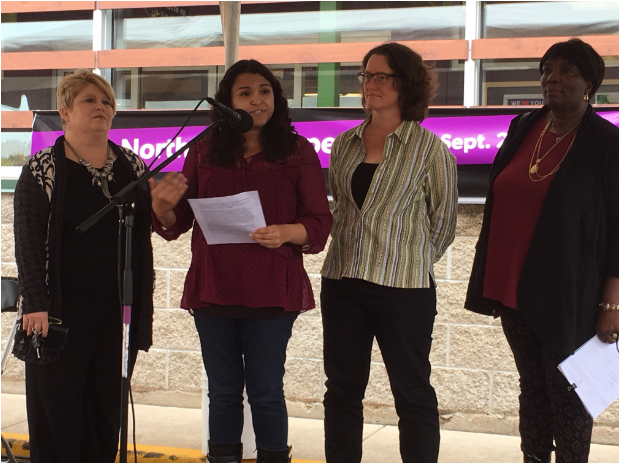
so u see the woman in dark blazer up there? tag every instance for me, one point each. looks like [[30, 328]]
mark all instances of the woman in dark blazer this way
[[547, 260]]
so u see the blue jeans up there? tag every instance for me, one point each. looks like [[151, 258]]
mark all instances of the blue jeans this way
[[248, 353]]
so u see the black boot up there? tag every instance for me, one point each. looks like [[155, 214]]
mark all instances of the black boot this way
[[271, 456], [537, 458], [224, 453]]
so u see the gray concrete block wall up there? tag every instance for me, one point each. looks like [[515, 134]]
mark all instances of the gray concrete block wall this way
[[473, 369]]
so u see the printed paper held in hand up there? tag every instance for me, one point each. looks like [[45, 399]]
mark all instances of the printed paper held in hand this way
[[594, 370], [229, 219]]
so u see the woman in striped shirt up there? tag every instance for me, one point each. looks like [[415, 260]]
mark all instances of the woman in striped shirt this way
[[395, 196]]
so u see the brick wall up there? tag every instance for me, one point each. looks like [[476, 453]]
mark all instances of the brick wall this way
[[473, 369]]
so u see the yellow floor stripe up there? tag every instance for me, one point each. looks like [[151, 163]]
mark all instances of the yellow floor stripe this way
[[146, 453]]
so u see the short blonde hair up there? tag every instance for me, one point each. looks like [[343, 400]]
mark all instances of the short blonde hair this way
[[72, 84]]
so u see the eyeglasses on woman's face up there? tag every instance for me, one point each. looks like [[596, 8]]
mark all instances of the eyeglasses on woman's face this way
[[380, 78]]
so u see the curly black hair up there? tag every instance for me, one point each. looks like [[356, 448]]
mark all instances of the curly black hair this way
[[416, 81], [278, 137], [587, 60]]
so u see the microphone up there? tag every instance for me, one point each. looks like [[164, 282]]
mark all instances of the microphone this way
[[239, 120]]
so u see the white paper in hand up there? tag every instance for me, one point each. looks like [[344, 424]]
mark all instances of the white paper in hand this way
[[594, 370], [229, 219]]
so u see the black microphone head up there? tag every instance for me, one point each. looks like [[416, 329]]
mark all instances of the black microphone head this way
[[244, 124]]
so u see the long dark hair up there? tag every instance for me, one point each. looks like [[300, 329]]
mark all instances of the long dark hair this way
[[278, 137], [417, 81]]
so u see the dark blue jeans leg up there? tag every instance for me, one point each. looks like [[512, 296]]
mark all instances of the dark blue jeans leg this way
[[264, 345], [246, 353], [223, 362]]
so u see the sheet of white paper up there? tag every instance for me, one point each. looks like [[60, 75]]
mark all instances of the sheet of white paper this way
[[229, 219], [594, 369]]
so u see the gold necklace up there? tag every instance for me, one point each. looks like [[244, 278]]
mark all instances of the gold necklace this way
[[534, 166], [561, 137]]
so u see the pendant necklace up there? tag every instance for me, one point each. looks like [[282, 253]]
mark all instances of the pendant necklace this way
[[536, 158], [560, 137], [100, 177]]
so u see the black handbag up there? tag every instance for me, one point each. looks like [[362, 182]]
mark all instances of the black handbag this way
[[36, 349], [10, 293]]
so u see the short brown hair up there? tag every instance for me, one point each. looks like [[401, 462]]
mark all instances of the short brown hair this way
[[417, 81], [72, 84]]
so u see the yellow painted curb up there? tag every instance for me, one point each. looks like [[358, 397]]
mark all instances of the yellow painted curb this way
[[146, 453], [19, 444]]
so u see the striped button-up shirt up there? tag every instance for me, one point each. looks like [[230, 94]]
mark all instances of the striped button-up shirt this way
[[408, 218]]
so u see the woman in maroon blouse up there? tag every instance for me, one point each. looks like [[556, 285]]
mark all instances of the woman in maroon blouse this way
[[246, 297], [547, 260]]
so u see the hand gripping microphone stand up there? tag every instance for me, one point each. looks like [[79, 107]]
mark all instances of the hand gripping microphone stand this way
[[124, 200]]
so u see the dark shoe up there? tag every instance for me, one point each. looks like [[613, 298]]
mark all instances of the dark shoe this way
[[271, 456], [224, 453], [537, 458]]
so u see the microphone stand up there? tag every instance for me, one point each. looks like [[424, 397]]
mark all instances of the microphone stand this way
[[124, 201]]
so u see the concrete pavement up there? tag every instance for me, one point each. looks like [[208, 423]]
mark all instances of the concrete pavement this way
[[166, 431]]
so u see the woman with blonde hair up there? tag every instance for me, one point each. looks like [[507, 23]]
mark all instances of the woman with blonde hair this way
[[70, 281]]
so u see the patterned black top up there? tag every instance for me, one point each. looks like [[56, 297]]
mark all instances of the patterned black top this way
[[40, 201]]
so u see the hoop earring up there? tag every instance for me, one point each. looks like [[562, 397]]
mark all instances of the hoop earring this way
[[586, 97]]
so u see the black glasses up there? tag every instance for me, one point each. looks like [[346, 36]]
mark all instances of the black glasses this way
[[380, 78]]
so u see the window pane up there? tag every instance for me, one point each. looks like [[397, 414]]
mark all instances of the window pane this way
[[512, 82], [354, 23], [15, 148], [70, 30], [27, 90], [450, 90], [171, 27], [541, 19], [517, 82], [608, 92], [174, 88]]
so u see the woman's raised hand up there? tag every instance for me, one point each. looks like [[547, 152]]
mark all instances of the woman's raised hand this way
[[165, 196]]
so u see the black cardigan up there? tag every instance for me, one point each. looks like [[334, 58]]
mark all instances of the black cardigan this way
[[575, 245], [39, 206]]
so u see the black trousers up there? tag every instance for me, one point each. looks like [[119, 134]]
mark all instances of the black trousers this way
[[73, 404], [549, 408], [402, 320]]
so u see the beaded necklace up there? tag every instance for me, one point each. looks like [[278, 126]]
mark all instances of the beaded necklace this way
[[102, 176]]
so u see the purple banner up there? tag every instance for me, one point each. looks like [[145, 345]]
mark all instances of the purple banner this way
[[472, 139]]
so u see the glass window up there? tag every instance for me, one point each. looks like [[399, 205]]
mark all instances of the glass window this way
[[168, 27], [285, 75], [289, 22], [28, 90], [541, 19], [302, 22], [450, 90], [510, 82], [49, 31], [163, 88], [608, 92], [517, 82], [15, 147]]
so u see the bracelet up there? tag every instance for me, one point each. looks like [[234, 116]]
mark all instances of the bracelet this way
[[608, 307]]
